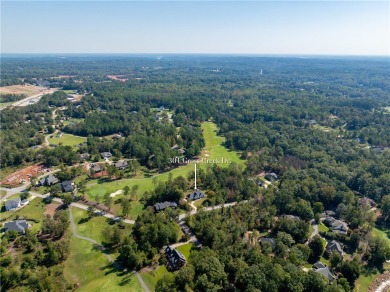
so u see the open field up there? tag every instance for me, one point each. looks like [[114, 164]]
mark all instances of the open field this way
[[93, 228], [28, 90], [89, 268], [151, 278], [213, 150], [34, 210], [67, 140]]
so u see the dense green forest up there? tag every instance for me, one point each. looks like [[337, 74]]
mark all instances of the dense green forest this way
[[322, 125]]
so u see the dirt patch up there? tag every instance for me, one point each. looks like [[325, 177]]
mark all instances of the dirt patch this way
[[120, 78], [51, 209], [28, 90], [23, 175]]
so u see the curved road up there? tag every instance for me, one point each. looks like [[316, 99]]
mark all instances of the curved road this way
[[109, 258]]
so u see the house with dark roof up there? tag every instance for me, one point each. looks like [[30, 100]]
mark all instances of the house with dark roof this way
[[196, 195], [366, 201], [319, 265], [337, 226], [267, 240], [334, 246], [272, 177], [17, 225], [326, 272], [121, 165], [175, 259], [48, 180], [12, 204], [67, 186], [162, 206], [106, 154]]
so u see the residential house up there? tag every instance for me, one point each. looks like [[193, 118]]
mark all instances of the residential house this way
[[96, 167], [116, 136], [196, 195], [326, 272], [291, 217], [312, 122], [48, 180], [266, 240], [18, 225], [67, 186], [319, 265], [334, 246], [84, 156], [59, 135], [377, 149], [175, 259], [272, 177], [121, 165], [162, 206], [337, 226], [12, 204], [366, 201], [106, 155]]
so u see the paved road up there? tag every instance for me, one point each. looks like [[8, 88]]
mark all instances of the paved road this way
[[11, 192], [315, 228], [108, 256]]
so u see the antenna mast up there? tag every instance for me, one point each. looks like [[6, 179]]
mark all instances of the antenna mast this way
[[195, 176]]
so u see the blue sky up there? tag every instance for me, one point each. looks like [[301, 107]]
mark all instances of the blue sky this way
[[229, 27]]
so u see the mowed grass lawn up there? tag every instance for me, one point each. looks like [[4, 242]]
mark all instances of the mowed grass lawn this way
[[93, 228], [2, 193], [34, 210], [151, 278], [89, 268], [213, 150], [67, 140], [185, 250]]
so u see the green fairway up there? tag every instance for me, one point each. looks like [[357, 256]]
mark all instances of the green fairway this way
[[93, 228], [2, 193], [67, 140], [34, 210], [89, 268], [151, 278], [213, 150]]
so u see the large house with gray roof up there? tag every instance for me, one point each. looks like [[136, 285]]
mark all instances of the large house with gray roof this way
[[48, 180], [17, 225], [12, 204], [175, 258], [162, 206]]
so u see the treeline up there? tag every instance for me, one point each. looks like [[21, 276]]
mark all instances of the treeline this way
[[11, 97], [38, 266]]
